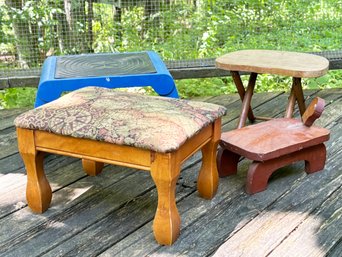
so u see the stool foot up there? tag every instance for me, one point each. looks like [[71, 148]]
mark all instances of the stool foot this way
[[165, 172], [92, 168], [226, 162], [315, 160]]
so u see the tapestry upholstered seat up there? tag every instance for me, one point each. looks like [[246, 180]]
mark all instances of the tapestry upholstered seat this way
[[101, 125], [156, 123]]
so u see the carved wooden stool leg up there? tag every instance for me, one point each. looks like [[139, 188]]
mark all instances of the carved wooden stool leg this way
[[38, 190], [259, 172], [227, 162], [207, 182], [258, 175], [92, 168], [315, 161], [165, 172]]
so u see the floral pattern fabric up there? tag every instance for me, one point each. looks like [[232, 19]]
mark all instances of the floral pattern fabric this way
[[157, 123]]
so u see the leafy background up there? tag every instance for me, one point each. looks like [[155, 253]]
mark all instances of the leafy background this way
[[180, 30]]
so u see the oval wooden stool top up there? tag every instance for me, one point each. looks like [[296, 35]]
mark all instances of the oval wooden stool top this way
[[299, 65]]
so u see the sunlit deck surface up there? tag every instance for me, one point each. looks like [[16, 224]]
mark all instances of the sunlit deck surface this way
[[111, 214]]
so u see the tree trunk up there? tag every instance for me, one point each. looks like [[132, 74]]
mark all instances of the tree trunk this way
[[26, 36], [90, 25], [75, 27]]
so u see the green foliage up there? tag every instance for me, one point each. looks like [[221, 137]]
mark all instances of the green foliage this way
[[17, 97], [183, 31]]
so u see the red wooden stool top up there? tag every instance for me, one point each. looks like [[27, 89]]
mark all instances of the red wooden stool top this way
[[274, 138], [277, 137]]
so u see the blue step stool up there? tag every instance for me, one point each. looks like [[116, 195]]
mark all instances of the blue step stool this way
[[113, 70]]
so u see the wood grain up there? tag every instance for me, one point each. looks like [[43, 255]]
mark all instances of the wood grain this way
[[207, 182], [313, 111], [38, 190], [92, 168], [93, 150], [166, 224], [165, 169], [299, 65], [274, 138]]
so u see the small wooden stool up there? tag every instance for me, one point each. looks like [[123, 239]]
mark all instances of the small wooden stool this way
[[100, 126], [274, 144]]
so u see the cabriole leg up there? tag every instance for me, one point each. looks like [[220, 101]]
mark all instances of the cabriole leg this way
[[207, 182], [165, 172], [38, 190]]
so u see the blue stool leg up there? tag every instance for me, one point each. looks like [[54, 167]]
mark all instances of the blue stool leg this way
[[173, 93], [43, 98], [38, 102], [164, 85]]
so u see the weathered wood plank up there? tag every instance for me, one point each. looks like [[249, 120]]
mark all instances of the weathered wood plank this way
[[10, 164], [8, 142], [73, 208], [8, 118], [337, 250], [10, 112], [13, 185], [14, 163], [318, 233]]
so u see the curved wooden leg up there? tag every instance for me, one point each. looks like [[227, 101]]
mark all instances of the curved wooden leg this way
[[258, 175], [226, 162], [38, 190], [315, 159], [92, 168], [165, 172], [207, 181], [259, 172]]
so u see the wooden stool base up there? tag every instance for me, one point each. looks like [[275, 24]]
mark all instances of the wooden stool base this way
[[274, 144], [259, 172], [164, 168]]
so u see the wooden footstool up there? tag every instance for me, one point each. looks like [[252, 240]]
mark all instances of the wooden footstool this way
[[100, 126], [274, 144]]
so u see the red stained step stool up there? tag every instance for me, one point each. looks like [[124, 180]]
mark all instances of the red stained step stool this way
[[274, 144]]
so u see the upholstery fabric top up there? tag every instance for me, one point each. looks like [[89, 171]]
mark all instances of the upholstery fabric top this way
[[156, 123]]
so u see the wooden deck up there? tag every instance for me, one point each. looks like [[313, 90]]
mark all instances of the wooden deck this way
[[111, 214]]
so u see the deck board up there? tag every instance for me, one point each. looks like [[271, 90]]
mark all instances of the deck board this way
[[112, 214]]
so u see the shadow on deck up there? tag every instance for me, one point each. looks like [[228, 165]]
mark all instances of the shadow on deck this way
[[111, 214]]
